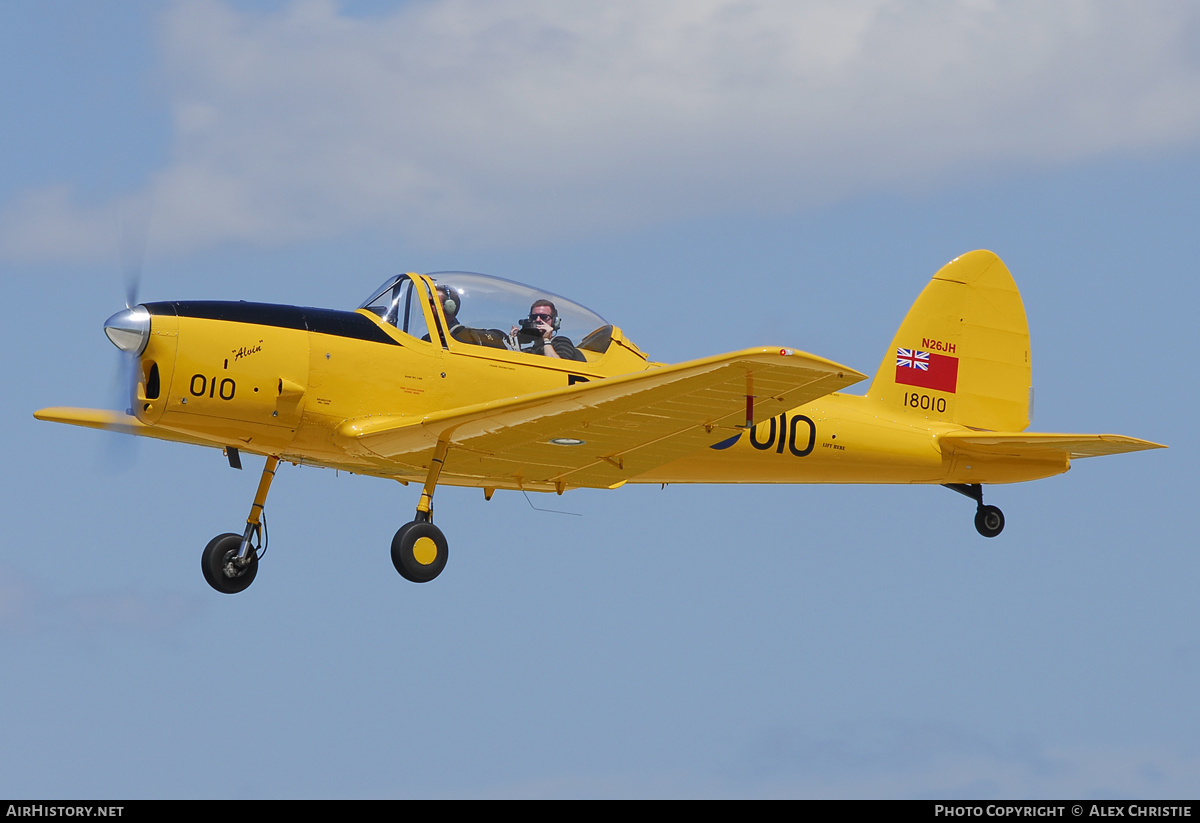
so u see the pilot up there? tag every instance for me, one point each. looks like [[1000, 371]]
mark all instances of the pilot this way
[[451, 300], [542, 323]]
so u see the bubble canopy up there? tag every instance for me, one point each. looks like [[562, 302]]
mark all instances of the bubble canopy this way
[[483, 301]]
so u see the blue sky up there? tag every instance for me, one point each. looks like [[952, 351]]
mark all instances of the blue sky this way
[[708, 176]]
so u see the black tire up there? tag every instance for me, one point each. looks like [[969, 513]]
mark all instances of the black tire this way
[[419, 551], [218, 569], [989, 521]]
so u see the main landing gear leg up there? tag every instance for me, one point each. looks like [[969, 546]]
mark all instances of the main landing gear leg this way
[[989, 520], [419, 549], [230, 561]]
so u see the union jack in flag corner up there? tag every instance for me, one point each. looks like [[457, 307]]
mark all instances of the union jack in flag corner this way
[[927, 370], [913, 359]]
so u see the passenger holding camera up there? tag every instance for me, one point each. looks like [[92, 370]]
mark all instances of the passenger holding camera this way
[[538, 330]]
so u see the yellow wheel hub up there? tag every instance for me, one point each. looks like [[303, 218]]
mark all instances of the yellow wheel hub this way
[[425, 551]]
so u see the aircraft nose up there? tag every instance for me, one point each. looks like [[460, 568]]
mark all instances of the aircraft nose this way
[[129, 329]]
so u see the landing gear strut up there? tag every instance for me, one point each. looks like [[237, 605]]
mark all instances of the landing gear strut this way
[[419, 549], [989, 520], [230, 562]]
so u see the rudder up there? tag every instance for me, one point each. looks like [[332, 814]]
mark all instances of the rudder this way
[[962, 353]]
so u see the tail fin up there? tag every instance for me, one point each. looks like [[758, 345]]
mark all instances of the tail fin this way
[[962, 353]]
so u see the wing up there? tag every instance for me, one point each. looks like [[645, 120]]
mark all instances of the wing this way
[[603, 433], [118, 422], [1017, 444]]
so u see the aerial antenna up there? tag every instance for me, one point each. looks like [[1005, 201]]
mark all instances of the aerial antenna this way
[[551, 511]]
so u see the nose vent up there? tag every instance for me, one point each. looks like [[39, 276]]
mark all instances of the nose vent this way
[[129, 329], [152, 380]]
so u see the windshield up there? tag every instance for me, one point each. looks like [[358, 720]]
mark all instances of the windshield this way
[[398, 302]]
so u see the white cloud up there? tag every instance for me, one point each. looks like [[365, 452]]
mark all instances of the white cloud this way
[[465, 119]]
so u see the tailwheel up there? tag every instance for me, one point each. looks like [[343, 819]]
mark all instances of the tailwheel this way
[[419, 551], [989, 520], [221, 567]]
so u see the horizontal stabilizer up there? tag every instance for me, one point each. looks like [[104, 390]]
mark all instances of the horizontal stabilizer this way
[[1017, 444]]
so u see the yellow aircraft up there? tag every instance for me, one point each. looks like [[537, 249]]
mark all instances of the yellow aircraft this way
[[430, 381]]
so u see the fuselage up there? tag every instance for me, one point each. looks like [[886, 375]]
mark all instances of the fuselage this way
[[285, 380], [846, 438]]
